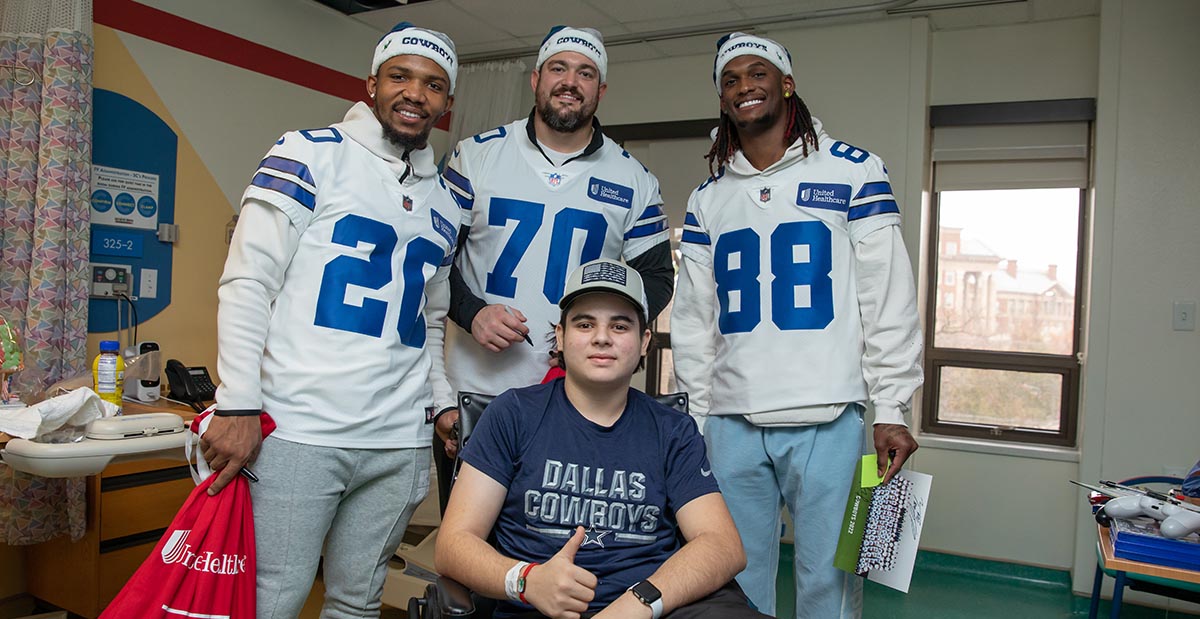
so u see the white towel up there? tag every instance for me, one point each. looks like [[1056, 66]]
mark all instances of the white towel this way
[[77, 408]]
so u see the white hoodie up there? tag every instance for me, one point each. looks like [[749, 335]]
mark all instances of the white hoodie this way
[[795, 295]]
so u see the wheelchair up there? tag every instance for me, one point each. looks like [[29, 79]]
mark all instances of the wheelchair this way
[[447, 598]]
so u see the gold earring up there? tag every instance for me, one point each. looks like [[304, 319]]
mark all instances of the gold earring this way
[[786, 94]]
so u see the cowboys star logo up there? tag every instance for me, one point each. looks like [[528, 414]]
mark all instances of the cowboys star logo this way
[[592, 536]]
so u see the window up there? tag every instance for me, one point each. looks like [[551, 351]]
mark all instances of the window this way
[[1007, 226]]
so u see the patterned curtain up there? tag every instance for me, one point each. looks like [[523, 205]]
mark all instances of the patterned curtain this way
[[45, 173]]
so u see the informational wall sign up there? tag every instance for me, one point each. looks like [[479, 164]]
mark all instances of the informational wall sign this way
[[110, 242], [134, 156], [125, 198]]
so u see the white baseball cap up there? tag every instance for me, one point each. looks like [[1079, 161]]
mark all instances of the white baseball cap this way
[[609, 276]]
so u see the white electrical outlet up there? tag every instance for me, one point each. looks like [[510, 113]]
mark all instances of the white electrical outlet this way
[[149, 284], [1183, 316]]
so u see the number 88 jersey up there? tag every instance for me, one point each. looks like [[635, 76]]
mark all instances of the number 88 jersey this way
[[780, 246]]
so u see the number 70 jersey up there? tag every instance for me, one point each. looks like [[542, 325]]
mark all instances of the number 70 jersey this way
[[781, 248], [531, 224]]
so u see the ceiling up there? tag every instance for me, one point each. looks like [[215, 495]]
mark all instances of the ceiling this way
[[644, 29]]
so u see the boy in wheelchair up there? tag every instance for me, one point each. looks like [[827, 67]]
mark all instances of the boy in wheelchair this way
[[601, 499]]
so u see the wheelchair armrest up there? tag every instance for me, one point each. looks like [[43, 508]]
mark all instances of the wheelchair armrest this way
[[453, 598]]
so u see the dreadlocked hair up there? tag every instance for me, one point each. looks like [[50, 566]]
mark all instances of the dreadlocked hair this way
[[799, 123]]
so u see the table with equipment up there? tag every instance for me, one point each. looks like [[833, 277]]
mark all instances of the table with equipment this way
[[129, 505], [1158, 579]]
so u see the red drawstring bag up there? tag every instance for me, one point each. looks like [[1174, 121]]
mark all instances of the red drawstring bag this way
[[204, 564]]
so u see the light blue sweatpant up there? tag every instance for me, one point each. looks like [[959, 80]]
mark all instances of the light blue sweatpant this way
[[809, 468], [355, 503]]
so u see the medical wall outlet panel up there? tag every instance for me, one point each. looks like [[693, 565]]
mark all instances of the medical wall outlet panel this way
[[110, 280]]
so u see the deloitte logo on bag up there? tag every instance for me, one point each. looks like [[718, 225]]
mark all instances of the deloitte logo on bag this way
[[177, 550]]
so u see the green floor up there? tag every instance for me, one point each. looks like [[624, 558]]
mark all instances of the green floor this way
[[946, 586]]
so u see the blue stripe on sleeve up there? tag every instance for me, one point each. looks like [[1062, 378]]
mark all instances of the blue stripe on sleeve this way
[[287, 188], [464, 202], [458, 180], [690, 220], [646, 229], [874, 208], [290, 166], [698, 238], [652, 212], [874, 189]]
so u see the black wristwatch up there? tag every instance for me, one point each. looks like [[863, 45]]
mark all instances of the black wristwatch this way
[[649, 595]]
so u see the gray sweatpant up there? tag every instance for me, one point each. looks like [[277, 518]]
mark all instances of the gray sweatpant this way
[[355, 503]]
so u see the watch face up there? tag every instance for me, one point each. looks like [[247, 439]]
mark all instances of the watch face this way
[[646, 592]]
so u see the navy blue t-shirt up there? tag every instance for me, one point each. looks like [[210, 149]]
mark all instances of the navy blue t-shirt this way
[[623, 484]]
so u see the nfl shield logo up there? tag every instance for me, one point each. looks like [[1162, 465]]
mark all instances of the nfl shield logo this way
[[764, 194], [554, 178], [407, 203]]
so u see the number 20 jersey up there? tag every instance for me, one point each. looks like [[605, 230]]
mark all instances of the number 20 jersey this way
[[780, 244], [346, 362], [531, 224]]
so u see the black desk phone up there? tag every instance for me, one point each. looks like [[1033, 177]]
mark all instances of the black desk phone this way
[[190, 384]]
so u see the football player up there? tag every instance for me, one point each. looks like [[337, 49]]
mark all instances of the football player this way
[[796, 306], [543, 195], [331, 318]]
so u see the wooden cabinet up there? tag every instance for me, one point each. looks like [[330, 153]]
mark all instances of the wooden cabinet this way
[[129, 506]]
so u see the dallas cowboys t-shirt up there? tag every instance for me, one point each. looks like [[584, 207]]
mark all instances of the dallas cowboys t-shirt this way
[[623, 484]]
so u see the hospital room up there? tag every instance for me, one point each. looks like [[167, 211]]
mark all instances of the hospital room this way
[[777, 308]]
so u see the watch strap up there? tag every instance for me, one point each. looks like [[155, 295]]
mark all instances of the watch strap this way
[[648, 594]]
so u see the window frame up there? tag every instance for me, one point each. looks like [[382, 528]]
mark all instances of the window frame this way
[[1068, 366]]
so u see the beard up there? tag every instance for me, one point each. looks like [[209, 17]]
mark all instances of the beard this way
[[566, 120], [760, 123], [403, 141]]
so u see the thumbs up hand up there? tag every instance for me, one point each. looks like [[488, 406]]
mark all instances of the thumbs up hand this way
[[558, 588]]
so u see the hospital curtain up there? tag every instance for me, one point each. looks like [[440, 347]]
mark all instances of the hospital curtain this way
[[45, 172], [487, 95]]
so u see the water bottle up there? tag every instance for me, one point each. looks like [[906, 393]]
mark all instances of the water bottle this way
[[108, 373]]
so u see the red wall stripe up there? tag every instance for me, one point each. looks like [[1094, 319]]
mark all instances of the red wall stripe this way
[[189, 36]]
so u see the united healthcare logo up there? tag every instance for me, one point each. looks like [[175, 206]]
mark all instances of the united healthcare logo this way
[[443, 227], [829, 196], [610, 193], [178, 550]]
